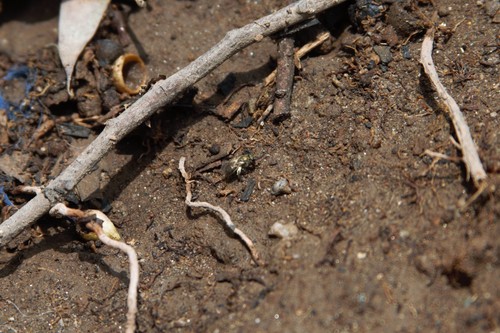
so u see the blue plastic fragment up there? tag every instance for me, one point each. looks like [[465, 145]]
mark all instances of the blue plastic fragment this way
[[29, 76], [22, 71], [4, 104], [5, 198]]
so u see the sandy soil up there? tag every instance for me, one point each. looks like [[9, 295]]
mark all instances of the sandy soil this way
[[380, 238]]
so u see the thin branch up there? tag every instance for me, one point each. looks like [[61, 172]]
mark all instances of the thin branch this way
[[264, 115], [223, 214], [162, 93], [469, 151], [441, 156], [284, 79], [299, 54]]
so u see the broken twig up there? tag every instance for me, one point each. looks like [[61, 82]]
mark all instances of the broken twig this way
[[160, 94], [284, 79], [469, 151], [222, 213], [299, 54]]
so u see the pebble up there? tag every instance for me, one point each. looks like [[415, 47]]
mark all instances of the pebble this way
[[108, 51], [214, 149], [384, 52], [284, 231], [444, 10], [361, 255], [281, 186]]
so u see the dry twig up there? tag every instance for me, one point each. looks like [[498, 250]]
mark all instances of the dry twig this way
[[223, 214], [299, 54], [267, 111], [470, 155], [284, 79], [440, 156], [162, 93]]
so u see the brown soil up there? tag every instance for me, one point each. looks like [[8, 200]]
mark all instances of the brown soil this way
[[384, 242]]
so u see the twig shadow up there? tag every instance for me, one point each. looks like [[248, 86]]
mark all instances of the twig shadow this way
[[233, 80], [55, 241], [426, 90], [62, 241]]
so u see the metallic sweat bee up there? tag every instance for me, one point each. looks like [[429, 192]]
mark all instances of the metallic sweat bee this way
[[238, 165]]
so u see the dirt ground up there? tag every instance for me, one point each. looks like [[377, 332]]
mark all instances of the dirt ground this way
[[382, 238]]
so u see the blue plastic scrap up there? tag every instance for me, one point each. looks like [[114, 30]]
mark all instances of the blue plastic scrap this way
[[29, 76], [17, 72], [4, 197], [4, 104]]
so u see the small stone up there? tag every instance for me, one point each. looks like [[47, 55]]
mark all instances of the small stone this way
[[444, 10], [404, 234], [492, 8], [281, 186], [107, 51], [425, 264], [284, 231], [167, 172], [361, 255], [214, 149], [384, 52]]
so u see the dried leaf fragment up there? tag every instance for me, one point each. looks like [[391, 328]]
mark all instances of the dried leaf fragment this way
[[78, 22]]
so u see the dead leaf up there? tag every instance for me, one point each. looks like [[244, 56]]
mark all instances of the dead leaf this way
[[13, 165], [78, 22]]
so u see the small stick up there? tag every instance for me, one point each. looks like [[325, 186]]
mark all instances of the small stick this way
[[284, 79], [441, 156], [470, 156], [266, 113], [160, 94], [30, 189], [223, 214], [310, 46], [134, 272], [118, 21], [299, 54]]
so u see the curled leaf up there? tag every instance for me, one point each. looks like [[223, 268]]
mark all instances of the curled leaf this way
[[78, 22]]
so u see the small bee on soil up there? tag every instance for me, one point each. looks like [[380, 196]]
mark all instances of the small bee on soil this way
[[238, 165]]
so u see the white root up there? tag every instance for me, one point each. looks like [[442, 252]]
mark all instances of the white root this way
[[134, 272], [222, 213]]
